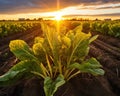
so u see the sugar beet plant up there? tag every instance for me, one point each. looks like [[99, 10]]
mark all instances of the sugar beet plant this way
[[111, 28], [9, 28], [55, 57]]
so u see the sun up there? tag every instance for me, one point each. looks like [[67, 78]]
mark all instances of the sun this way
[[58, 16]]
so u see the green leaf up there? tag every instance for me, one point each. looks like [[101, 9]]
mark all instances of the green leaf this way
[[51, 37], [15, 73], [91, 66], [39, 40], [79, 47], [51, 86], [66, 41], [93, 38], [39, 51], [82, 50], [21, 50]]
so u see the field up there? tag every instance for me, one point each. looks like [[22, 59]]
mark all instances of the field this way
[[106, 49]]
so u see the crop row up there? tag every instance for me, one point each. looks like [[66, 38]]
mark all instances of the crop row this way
[[54, 59], [108, 28], [111, 28], [9, 28]]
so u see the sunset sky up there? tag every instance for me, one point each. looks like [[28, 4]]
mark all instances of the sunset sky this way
[[14, 9]]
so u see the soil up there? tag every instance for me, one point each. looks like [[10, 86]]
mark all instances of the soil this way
[[105, 49], [110, 40], [6, 57]]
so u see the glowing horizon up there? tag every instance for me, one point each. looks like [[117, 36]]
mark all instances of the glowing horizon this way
[[107, 10]]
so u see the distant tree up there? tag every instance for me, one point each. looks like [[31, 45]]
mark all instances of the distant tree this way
[[40, 19], [74, 19], [34, 19], [21, 19], [27, 19]]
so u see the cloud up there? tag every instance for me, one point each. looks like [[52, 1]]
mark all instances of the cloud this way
[[28, 6], [89, 2], [112, 14], [99, 7], [108, 7], [23, 6]]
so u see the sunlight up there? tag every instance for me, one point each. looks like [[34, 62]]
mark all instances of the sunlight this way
[[58, 16]]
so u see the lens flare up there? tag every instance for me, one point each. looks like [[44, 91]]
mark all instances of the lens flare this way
[[58, 16]]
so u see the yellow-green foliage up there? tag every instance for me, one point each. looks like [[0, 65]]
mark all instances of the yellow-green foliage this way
[[55, 57]]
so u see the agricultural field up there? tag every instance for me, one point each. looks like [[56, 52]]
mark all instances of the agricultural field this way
[[106, 50]]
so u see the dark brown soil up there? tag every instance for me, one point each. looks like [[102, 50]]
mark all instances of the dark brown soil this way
[[110, 40], [108, 55]]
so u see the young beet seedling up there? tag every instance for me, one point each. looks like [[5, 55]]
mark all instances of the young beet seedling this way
[[55, 57]]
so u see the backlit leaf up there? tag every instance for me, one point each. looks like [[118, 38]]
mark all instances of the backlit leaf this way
[[21, 50], [91, 66], [16, 72]]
